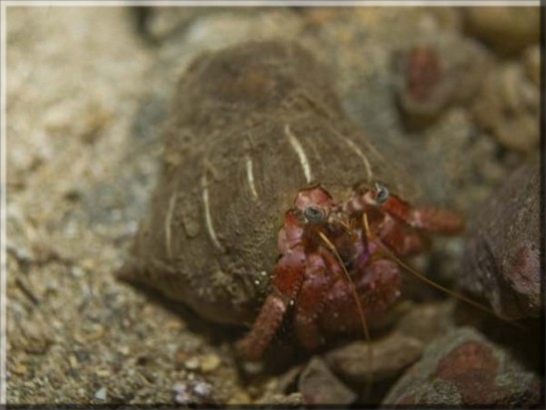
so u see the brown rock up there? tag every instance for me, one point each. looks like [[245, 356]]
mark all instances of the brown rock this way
[[287, 401], [507, 30], [464, 369], [37, 337], [426, 321], [318, 385], [437, 73], [508, 106], [502, 256], [389, 357]]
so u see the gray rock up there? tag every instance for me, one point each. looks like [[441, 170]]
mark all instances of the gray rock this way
[[502, 256], [318, 385], [508, 105], [436, 73], [389, 357], [464, 369]]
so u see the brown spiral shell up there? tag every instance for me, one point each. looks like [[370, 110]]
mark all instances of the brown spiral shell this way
[[250, 126]]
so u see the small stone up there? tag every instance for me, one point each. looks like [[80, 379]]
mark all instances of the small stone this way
[[252, 368], [433, 74], [508, 107], [318, 385], [192, 363], [507, 30], [182, 396], [292, 400], [37, 337], [101, 394], [124, 350], [202, 389], [209, 363], [19, 369], [240, 397], [89, 334], [174, 324], [180, 358], [532, 64], [427, 321], [179, 387], [361, 362], [103, 373]]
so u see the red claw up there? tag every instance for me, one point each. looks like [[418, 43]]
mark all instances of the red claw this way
[[436, 220]]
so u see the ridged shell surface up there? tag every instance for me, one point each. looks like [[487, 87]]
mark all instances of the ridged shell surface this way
[[249, 127]]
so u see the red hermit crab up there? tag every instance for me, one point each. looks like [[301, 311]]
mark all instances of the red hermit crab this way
[[251, 126], [336, 270]]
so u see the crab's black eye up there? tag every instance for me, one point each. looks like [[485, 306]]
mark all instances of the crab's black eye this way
[[314, 214], [382, 193]]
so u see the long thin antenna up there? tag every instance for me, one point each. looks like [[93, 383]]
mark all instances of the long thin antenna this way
[[448, 291], [431, 282], [359, 308]]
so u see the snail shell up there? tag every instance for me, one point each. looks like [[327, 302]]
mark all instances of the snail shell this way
[[250, 126]]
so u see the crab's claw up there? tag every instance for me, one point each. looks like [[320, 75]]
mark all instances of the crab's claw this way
[[431, 219]]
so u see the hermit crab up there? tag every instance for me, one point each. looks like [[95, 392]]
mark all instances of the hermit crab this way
[[252, 127], [335, 267]]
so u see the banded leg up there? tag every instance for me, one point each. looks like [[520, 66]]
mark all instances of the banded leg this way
[[286, 283], [310, 302]]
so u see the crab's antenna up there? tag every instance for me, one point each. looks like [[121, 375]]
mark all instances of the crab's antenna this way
[[363, 321], [434, 284]]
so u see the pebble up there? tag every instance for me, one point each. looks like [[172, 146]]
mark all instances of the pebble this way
[[507, 30], [37, 337], [508, 107], [103, 372], [101, 394], [292, 400], [389, 357], [124, 350], [318, 385], [238, 398], [252, 368], [435, 73], [19, 369], [89, 333], [209, 362], [181, 393], [531, 60], [191, 392], [426, 321], [202, 389], [192, 363]]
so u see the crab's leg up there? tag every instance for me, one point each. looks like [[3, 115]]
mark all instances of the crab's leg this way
[[310, 301], [399, 238], [431, 219], [285, 284]]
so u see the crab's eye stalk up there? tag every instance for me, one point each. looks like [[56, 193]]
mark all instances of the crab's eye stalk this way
[[382, 193], [314, 214]]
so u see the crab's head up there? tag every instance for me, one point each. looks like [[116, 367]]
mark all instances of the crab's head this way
[[313, 205], [376, 196]]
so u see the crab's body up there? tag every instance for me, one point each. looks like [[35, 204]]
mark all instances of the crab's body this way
[[336, 270]]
